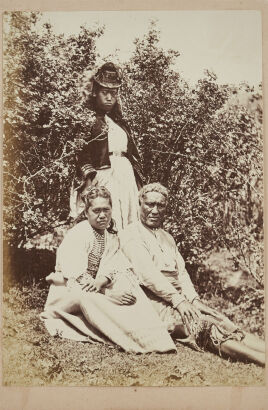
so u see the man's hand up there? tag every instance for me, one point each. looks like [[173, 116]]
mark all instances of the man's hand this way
[[188, 313], [121, 297], [205, 309]]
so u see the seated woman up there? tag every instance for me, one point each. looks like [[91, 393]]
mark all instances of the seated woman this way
[[94, 295]]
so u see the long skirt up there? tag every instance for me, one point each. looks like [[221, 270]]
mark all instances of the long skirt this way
[[93, 317], [120, 181]]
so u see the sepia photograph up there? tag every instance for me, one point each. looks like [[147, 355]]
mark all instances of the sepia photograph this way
[[133, 203]]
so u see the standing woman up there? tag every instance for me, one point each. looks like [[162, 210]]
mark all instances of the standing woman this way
[[109, 157]]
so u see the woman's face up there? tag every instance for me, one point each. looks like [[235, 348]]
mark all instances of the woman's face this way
[[99, 214], [106, 98]]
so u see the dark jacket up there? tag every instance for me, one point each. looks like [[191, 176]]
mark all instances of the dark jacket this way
[[95, 154]]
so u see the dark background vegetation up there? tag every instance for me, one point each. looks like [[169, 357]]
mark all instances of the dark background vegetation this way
[[204, 142]]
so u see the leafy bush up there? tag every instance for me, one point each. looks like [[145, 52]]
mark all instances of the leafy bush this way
[[203, 142], [206, 147], [45, 122]]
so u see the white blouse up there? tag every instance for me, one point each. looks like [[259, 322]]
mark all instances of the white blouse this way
[[117, 137]]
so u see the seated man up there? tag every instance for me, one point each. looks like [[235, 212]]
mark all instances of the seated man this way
[[163, 277]]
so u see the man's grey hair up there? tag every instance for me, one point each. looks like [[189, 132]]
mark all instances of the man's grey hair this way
[[153, 187]]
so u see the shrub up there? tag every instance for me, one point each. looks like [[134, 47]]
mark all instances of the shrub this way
[[203, 142], [205, 145], [45, 122]]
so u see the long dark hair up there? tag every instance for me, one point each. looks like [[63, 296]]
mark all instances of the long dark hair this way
[[87, 197]]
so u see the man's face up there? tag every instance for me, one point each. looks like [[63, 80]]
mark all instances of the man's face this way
[[152, 209], [106, 98]]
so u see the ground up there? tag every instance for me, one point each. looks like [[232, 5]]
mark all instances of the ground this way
[[32, 357]]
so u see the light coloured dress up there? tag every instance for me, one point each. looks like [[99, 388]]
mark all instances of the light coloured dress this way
[[72, 313], [119, 179], [162, 274]]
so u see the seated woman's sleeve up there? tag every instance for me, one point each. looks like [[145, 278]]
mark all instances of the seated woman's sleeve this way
[[149, 275], [184, 278], [71, 255]]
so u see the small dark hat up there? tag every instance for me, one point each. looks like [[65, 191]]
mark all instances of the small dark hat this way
[[108, 76]]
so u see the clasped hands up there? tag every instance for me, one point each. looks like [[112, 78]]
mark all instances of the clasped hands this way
[[120, 297], [93, 285]]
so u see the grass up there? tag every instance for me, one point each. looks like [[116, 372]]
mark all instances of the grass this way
[[33, 358]]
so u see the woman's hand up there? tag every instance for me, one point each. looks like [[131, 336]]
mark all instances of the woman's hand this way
[[90, 286], [101, 282], [121, 297], [94, 285], [90, 182], [188, 313]]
